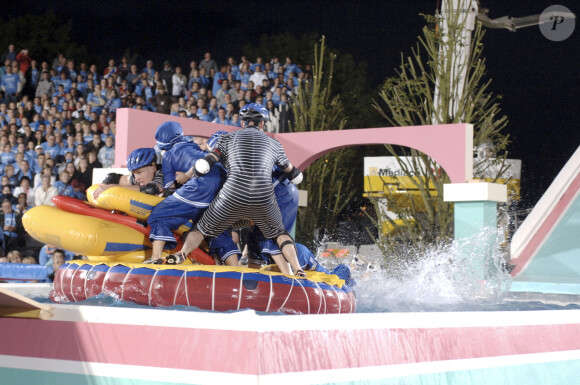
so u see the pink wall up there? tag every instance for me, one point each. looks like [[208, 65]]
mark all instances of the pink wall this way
[[450, 145], [147, 345]]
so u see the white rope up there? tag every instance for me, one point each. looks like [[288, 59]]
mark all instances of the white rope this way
[[177, 288], [305, 294], [71, 284], [213, 291], [185, 286], [123, 284], [271, 293], [351, 302], [86, 278], [240, 291], [289, 293], [61, 288], [322, 299], [336, 294], [151, 285], [105, 279]]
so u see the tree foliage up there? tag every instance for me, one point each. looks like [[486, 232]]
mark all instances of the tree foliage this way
[[349, 77], [282, 46], [328, 180], [332, 188], [44, 35], [408, 99]]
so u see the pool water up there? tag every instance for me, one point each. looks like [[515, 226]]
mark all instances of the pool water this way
[[436, 282]]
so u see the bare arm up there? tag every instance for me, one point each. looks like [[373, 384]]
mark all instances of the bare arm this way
[[182, 177]]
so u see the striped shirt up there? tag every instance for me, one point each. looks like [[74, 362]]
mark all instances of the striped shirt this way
[[248, 193]]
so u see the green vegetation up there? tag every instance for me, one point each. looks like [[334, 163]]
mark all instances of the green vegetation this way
[[44, 35], [408, 99], [337, 90], [328, 180]]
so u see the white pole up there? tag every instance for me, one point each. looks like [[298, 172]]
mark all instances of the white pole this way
[[461, 13]]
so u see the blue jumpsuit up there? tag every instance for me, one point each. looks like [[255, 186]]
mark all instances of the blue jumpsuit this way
[[190, 200]]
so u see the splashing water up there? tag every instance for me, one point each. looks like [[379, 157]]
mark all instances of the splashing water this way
[[441, 279]]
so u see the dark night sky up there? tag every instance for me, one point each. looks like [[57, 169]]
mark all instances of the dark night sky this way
[[538, 79]]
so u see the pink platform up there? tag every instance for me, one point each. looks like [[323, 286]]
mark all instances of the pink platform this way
[[136, 129]]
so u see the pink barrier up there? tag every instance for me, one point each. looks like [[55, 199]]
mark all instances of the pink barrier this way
[[136, 128], [139, 346]]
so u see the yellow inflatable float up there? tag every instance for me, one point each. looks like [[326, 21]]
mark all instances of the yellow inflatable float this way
[[111, 228]]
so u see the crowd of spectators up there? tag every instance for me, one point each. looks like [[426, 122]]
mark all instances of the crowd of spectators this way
[[57, 120]]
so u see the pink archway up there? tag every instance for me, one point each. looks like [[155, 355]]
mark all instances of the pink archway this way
[[450, 145]]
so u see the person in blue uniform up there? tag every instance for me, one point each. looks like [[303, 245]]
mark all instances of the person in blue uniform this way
[[190, 200]]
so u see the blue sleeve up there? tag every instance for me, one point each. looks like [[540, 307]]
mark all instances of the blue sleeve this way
[[321, 268], [168, 169], [307, 260], [43, 256]]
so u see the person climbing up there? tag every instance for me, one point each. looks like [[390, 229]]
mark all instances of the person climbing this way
[[249, 156]]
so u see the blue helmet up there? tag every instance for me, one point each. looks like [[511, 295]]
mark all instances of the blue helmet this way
[[214, 138], [343, 272], [141, 157], [168, 134], [254, 112]]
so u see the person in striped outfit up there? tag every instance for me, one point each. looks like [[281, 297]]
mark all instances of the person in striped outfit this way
[[248, 193]]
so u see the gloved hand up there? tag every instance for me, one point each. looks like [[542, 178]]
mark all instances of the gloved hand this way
[[201, 167], [295, 176]]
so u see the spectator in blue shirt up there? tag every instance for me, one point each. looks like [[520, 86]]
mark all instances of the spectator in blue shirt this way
[[149, 69], [62, 185], [50, 147], [290, 67], [107, 153], [7, 156], [9, 173], [11, 85], [221, 117]]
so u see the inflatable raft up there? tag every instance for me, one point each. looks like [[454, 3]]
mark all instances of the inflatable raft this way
[[113, 234], [219, 288]]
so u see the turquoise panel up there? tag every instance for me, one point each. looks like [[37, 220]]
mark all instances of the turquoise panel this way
[[545, 287], [558, 259], [559, 372], [471, 217], [547, 373], [37, 377], [475, 246]]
